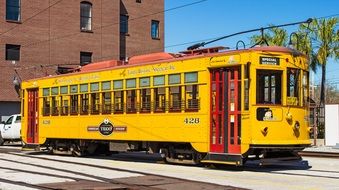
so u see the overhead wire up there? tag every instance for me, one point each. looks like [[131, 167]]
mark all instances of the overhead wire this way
[[104, 26], [111, 56], [31, 17]]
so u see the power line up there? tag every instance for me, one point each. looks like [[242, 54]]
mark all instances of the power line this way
[[99, 28], [178, 7], [334, 15], [31, 17]]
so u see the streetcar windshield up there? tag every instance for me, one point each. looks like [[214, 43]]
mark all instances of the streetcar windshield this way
[[269, 87], [293, 82]]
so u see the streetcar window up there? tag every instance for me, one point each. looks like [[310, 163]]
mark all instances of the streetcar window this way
[[159, 80], [191, 77], [144, 82], [55, 91], [246, 83], [145, 100], [83, 87], [131, 101], [117, 84], [130, 83], [159, 95], [293, 81], [268, 87], [192, 97], [175, 98], [55, 104], [74, 105], [95, 103], [45, 92], [94, 87], [64, 90], [174, 79], [64, 106], [305, 88], [74, 89], [106, 85], [84, 103], [46, 107], [118, 101], [106, 98]]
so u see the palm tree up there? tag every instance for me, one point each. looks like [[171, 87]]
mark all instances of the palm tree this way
[[325, 41], [274, 36], [319, 40]]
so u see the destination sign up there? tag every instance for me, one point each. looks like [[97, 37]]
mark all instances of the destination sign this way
[[269, 60]]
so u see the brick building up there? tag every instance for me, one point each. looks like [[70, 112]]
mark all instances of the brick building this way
[[37, 36]]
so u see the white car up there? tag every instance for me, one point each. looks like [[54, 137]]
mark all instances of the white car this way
[[10, 130]]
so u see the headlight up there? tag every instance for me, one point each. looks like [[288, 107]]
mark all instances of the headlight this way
[[296, 125]]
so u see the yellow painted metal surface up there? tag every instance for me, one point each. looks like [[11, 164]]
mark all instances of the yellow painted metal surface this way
[[183, 126]]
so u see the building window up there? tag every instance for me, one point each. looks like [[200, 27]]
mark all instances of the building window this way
[[155, 29], [12, 52], [123, 24], [138, 1], [13, 10], [85, 58], [85, 16]]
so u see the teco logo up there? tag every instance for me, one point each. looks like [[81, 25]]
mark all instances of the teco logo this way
[[106, 127]]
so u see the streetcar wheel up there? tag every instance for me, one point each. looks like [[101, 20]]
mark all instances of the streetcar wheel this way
[[76, 151]]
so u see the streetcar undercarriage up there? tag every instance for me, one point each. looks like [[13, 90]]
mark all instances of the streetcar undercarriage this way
[[175, 153]]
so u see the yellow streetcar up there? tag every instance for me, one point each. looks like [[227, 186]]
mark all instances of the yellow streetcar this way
[[200, 106]]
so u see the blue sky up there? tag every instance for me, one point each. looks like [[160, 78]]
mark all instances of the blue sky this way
[[215, 18]]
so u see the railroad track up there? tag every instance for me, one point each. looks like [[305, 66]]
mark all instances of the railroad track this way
[[145, 181], [319, 154]]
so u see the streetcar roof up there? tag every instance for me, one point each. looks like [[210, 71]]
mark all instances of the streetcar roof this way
[[161, 57]]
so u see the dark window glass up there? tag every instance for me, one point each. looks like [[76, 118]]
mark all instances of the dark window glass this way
[[138, 1], [131, 101], [268, 87], [118, 102], [145, 100], [13, 10], [85, 58], [160, 96], [155, 29], [175, 98], [74, 105], [12, 52], [84, 103], [293, 81], [85, 16], [123, 24], [107, 105]]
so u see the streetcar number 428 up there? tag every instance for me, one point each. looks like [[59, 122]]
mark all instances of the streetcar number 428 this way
[[192, 120]]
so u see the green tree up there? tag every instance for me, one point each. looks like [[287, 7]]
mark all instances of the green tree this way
[[274, 36], [319, 40], [325, 40]]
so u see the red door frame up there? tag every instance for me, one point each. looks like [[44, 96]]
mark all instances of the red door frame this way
[[225, 110], [217, 120], [234, 110], [32, 115]]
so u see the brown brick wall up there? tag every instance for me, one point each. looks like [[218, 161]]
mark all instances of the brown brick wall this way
[[53, 37]]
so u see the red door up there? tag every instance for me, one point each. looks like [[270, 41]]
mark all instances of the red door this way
[[33, 112], [225, 110], [217, 111], [233, 113]]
